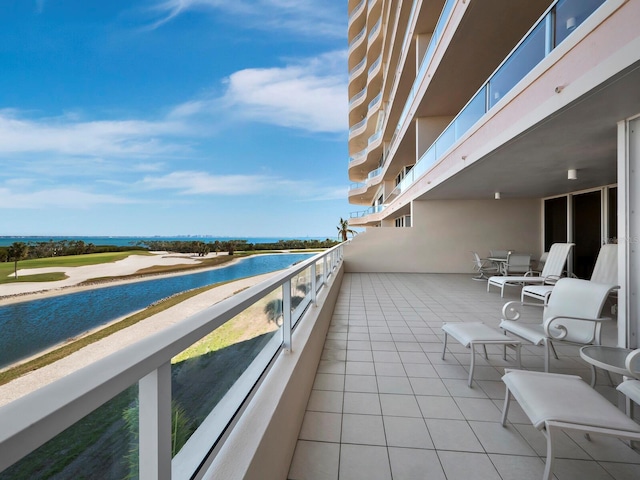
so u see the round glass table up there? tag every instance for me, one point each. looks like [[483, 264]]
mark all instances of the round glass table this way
[[611, 359]]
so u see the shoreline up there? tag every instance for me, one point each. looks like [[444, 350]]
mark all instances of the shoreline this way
[[55, 291]]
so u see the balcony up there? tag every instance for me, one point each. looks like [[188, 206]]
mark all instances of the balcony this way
[[542, 38], [385, 405]]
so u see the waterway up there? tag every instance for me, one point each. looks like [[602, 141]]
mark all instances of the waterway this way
[[32, 326]]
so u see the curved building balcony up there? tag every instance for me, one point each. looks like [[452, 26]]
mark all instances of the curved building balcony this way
[[374, 9], [367, 218], [358, 99], [374, 40], [357, 129], [357, 71], [374, 73], [357, 48], [356, 18], [363, 193]]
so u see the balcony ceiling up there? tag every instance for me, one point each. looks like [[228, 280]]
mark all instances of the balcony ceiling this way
[[487, 33], [583, 136]]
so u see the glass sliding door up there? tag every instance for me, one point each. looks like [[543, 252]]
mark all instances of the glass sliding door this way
[[555, 221], [587, 233]]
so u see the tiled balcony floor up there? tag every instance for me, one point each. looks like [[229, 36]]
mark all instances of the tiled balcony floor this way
[[386, 406]]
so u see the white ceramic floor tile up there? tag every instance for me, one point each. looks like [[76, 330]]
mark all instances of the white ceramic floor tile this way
[[325, 401], [399, 385], [360, 368], [410, 432], [360, 383], [429, 386], [498, 439], [329, 381], [362, 403], [363, 429], [466, 465], [390, 370], [315, 461], [399, 405], [479, 409], [453, 435], [513, 467], [358, 462], [413, 464], [321, 427], [439, 407]]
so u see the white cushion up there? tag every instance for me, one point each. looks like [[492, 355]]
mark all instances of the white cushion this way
[[476, 332], [564, 398]]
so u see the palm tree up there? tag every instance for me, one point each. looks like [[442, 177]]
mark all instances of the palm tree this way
[[343, 229], [17, 251]]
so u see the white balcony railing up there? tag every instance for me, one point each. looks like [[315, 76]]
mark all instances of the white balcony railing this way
[[146, 371]]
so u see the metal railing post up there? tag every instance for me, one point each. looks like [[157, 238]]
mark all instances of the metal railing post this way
[[154, 393], [286, 316], [314, 286]]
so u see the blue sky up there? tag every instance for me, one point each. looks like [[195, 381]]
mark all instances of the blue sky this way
[[173, 117]]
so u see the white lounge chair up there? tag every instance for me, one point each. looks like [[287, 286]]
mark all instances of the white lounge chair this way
[[551, 272], [556, 403], [605, 271], [572, 315], [483, 267]]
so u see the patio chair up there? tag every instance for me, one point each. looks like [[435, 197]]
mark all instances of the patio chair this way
[[551, 272], [517, 264], [605, 271], [572, 315], [555, 403], [483, 267]]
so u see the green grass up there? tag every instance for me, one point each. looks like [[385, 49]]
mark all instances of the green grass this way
[[7, 268]]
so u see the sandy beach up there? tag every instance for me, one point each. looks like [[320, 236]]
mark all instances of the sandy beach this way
[[118, 340], [19, 292]]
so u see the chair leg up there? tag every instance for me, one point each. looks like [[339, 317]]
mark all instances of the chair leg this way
[[593, 376], [473, 363], [505, 408], [444, 348], [546, 356], [548, 468], [486, 355], [554, 350]]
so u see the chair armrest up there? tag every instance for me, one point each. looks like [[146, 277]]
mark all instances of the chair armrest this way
[[552, 279], [551, 322], [630, 360], [510, 310]]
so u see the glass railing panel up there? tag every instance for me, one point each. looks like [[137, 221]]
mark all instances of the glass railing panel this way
[[374, 173], [570, 14], [319, 274], [445, 140], [409, 22], [358, 156], [355, 186], [356, 9], [374, 65], [300, 294], [528, 54], [358, 37], [374, 137], [358, 96], [205, 372], [375, 29], [375, 100], [358, 125], [358, 66], [472, 112], [104, 444]]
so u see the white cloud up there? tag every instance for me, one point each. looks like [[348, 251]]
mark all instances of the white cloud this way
[[204, 183], [307, 17], [91, 138], [57, 198], [310, 95]]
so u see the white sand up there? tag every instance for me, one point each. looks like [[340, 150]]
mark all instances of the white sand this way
[[127, 266]]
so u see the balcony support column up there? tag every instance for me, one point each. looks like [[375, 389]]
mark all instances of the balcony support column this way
[[286, 316], [155, 424]]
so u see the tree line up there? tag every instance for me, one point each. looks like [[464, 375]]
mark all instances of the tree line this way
[[45, 249]]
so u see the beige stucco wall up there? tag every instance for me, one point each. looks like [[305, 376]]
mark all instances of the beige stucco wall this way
[[444, 233]]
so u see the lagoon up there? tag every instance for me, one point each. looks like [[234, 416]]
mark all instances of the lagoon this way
[[32, 326]]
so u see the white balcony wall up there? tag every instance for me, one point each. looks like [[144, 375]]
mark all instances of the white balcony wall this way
[[422, 43], [262, 443], [443, 235]]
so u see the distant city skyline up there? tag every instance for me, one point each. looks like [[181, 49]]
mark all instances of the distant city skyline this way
[[173, 117]]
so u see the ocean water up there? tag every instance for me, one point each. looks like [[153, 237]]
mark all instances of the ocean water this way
[[126, 241]]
